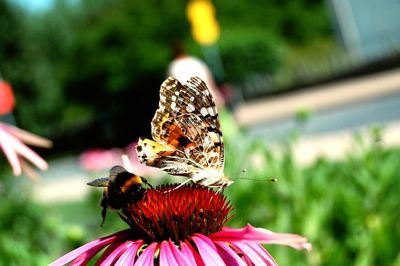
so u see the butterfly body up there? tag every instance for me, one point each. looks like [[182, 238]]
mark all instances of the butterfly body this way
[[187, 139]]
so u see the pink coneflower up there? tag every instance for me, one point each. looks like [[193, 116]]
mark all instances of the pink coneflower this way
[[12, 142], [183, 226]]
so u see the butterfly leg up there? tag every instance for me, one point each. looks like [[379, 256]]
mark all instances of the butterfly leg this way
[[220, 188], [181, 184]]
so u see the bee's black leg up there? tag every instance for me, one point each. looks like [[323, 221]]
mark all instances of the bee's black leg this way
[[125, 219], [144, 180], [104, 211]]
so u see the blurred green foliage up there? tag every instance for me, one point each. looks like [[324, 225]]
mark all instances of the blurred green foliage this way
[[78, 67], [239, 47], [24, 234], [348, 209]]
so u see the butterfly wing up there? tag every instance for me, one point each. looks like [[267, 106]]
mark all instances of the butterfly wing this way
[[186, 130]]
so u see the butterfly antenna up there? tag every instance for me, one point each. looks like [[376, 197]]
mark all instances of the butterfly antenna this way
[[244, 170], [257, 180]]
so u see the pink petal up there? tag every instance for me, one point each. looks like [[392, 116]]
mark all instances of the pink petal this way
[[166, 255], [228, 255], [112, 253], [260, 235], [7, 136], [261, 251], [190, 254], [91, 248], [84, 258], [128, 258], [11, 155], [207, 249], [255, 258], [28, 137], [180, 258], [23, 150], [147, 257]]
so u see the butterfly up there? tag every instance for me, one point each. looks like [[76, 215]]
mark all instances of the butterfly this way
[[187, 139]]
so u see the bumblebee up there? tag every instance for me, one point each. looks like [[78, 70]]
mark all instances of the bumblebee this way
[[120, 188]]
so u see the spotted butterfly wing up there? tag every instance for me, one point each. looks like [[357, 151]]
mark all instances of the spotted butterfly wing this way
[[187, 136]]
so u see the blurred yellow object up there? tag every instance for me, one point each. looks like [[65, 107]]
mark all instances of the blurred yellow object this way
[[205, 27]]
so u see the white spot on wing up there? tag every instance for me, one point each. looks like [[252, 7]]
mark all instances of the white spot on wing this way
[[173, 105], [203, 111], [213, 136], [211, 111], [173, 97], [190, 108]]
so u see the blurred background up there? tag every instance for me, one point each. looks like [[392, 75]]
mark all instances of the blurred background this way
[[311, 96]]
